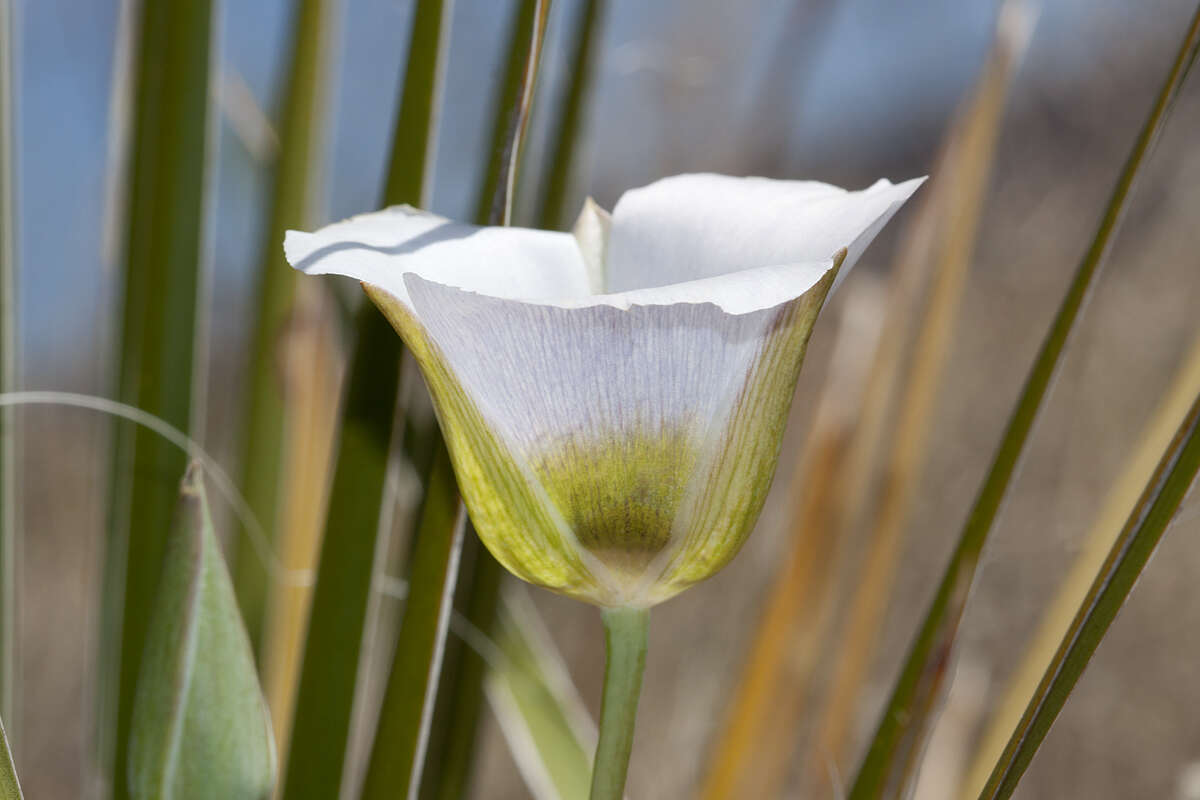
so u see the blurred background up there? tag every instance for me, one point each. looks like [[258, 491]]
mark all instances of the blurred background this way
[[844, 91]]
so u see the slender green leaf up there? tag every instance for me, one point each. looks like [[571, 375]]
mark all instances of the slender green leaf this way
[[1150, 517], [453, 728], [553, 212], [321, 723], [1139, 464], [900, 735], [159, 313], [9, 497], [399, 749], [542, 716], [292, 202], [494, 202], [10, 787], [200, 725]]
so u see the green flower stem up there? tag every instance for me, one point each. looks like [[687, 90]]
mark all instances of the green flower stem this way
[[625, 636]]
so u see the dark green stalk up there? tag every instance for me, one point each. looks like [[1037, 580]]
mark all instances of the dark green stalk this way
[[1156, 507], [493, 200], [626, 635], [897, 740], [332, 649], [453, 730], [159, 313], [400, 740], [296, 178], [553, 213]]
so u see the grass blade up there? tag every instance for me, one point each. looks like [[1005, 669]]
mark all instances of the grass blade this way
[[1142, 532], [332, 650], [956, 205], [159, 324], [311, 366], [400, 740], [9, 514], [554, 213], [293, 199], [200, 725], [894, 746], [1056, 622], [547, 726], [329, 667], [10, 787], [759, 744], [453, 728]]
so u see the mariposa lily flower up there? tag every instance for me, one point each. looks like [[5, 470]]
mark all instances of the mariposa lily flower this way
[[614, 400]]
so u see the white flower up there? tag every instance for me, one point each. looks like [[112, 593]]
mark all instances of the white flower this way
[[614, 399]]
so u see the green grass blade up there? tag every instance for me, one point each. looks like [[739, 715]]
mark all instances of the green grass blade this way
[[453, 729], [543, 718], [293, 198], [10, 787], [554, 213], [162, 274], [900, 733], [325, 693], [396, 757], [332, 650], [1148, 520], [200, 725], [494, 203], [9, 498], [416, 117]]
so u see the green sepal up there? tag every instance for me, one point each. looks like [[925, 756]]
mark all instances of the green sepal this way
[[200, 726]]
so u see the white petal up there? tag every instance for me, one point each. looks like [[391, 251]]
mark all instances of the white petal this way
[[623, 420], [734, 293], [380, 248], [591, 234], [538, 371], [692, 227]]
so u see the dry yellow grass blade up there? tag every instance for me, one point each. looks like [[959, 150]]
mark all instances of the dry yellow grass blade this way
[[312, 373], [750, 759], [1155, 438], [955, 208]]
